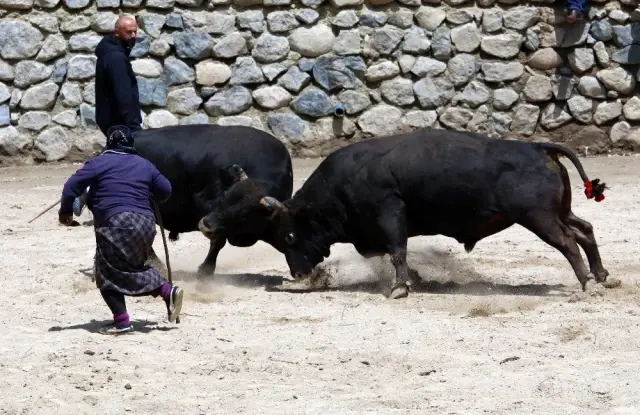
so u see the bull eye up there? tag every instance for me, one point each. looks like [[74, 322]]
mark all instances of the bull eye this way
[[290, 238]]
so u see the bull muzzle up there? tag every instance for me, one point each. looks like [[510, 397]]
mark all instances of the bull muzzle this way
[[206, 231]]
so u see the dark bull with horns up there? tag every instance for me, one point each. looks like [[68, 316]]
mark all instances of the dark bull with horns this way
[[219, 175], [377, 193]]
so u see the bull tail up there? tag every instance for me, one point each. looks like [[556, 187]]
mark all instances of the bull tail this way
[[593, 188]]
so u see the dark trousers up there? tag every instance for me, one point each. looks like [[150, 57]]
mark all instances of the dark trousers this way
[[115, 301], [578, 5]]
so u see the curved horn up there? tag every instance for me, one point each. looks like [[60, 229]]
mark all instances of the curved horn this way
[[238, 173], [272, 203], [208, 232]]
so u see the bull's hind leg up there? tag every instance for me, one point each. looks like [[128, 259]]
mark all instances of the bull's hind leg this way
[[548, 227], [208, 267], [587, 240], [582, 229], [154, 261], [394, 230]]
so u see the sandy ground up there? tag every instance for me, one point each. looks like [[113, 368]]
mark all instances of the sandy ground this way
[[493, 331]]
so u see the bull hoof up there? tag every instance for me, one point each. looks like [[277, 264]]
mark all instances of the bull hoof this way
[[206, 271], [589, 281], [399, 291], [602, 276], [612, 283], [593, 288]]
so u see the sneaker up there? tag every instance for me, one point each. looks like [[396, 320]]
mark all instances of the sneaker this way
[[114, 329], [80, 203], [174, 303]]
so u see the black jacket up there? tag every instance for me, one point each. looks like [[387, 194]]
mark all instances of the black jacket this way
[[117, 99]]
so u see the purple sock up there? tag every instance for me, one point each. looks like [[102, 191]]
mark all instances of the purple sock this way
[[165, 290], [122, 319]]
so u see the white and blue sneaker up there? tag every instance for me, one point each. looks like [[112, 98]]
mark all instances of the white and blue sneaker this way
[[174, 303], [114, 330], [80, 203]]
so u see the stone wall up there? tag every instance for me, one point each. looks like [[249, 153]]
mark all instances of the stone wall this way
[[509, 69]]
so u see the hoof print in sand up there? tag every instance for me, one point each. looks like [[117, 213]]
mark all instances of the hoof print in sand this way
[[612, 283]]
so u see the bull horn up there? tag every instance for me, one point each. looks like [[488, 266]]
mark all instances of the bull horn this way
[[208, 232], [238, 173], [272, 203]]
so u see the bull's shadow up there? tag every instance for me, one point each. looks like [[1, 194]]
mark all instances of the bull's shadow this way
[[434, 263], [476, 288], [461, 278], [241, 280]]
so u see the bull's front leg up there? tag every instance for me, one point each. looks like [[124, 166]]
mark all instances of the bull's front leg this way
[[208, 267], [400, 288]]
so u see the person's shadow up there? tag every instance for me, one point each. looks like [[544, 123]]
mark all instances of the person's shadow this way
[[139, 326]]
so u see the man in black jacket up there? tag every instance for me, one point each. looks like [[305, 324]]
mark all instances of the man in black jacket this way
[[117, 100]]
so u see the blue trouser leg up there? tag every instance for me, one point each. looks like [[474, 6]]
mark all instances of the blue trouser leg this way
[[577, 5]]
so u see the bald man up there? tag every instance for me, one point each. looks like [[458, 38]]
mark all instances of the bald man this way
[[117, 100]]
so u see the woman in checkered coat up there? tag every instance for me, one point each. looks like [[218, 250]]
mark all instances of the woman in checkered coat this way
[[122, 185]]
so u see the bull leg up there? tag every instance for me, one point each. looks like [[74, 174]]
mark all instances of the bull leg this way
[[208, 267], [152, 254], [586, 239], [400, 288], [154, 261], [394, 228], [550, 229]]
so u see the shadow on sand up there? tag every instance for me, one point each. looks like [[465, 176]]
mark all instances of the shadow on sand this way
[[241, 280], [272, 283], [448, 274], [478, 288], [140, 326]]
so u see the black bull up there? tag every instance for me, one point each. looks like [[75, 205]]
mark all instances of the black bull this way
[[377, 193], [219, 177]]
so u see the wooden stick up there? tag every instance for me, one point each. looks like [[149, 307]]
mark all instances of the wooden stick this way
[[45, 211], [164, 242]]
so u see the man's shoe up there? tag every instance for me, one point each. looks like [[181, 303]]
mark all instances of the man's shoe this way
[[174, 303], [114, 330]]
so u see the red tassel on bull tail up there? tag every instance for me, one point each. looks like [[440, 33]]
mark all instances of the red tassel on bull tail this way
[[594, 190]]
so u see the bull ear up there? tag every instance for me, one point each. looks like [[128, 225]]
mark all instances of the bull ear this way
[[233, 174], [272, 204]]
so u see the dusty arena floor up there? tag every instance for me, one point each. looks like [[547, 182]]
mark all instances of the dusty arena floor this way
[[496, 331]]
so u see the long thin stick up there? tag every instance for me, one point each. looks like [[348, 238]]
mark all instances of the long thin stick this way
[[164, 242], [45, 211]]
